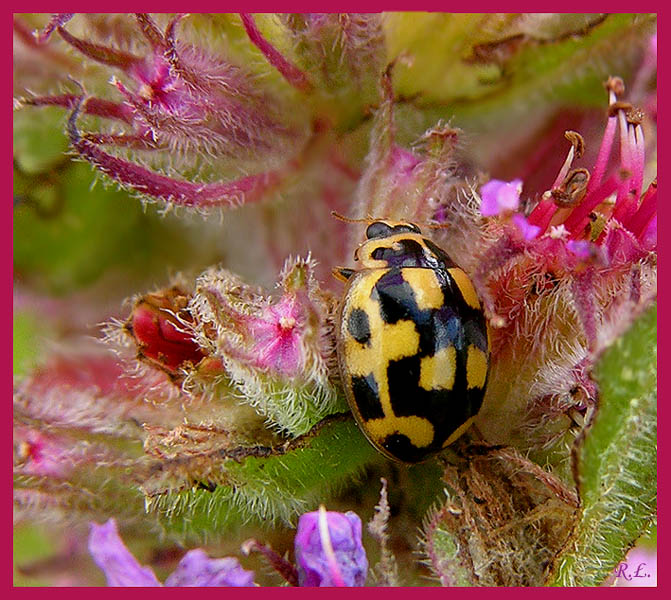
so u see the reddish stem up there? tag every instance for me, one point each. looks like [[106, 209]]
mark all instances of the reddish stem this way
[[99, 53], [136, 141], [281, 565], [93, 106], [150, 31], [56, 21], [289, 71], [161, 187]]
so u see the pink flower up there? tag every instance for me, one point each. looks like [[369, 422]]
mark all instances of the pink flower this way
[[528, 231], [277, 333], [606, 205], [500, 196]]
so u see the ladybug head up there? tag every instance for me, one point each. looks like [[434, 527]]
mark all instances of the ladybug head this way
[[383, 229]]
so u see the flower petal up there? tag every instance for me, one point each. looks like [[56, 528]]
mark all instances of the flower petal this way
[[528, 230], [112, 556], [499, 196], [197, 569]]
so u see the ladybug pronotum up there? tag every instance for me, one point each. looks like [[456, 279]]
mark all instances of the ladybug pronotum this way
[[413, 346]]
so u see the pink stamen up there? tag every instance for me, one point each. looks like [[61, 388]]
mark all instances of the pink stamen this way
[[625, 142], [645, 212], [542, 214], [604, 151], [625, 203], [638, 159], [565, 167]]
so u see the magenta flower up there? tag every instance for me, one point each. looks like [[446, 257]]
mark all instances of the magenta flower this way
[[329, 551], [587, 230], [606, 206], [220, 401], [278, 334], [195, 569], [608, 203], [500, 196]]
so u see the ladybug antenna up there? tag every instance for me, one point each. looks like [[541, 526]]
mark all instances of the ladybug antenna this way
[[436, 225], [368, 219]]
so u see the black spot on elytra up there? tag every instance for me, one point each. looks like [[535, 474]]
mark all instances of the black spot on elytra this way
[[396, 297], [401, 447], [445, 329], [366, 396], [475, 332], [445, 409], [358, 326]]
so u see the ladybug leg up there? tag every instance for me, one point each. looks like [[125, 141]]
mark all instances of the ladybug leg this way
[[343, 273]]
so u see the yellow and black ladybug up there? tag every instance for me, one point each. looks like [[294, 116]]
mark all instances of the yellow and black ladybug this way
[[413, 345]]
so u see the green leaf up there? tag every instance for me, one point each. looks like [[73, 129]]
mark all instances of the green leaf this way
[[39, 142], [67, 236], [28, 337], [31, 544], [617, 463]]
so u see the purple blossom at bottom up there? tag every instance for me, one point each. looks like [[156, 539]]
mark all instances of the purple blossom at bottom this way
[[195, 569], [329, 551]]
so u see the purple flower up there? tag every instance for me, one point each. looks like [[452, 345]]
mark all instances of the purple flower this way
[[581, 248], [329, 550], [500, 196], [195, 569]]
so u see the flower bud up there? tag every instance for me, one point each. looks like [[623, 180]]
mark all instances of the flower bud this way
[[329, 551], [159, 326]]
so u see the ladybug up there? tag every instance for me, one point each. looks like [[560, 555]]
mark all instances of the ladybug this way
[[412, 343]]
